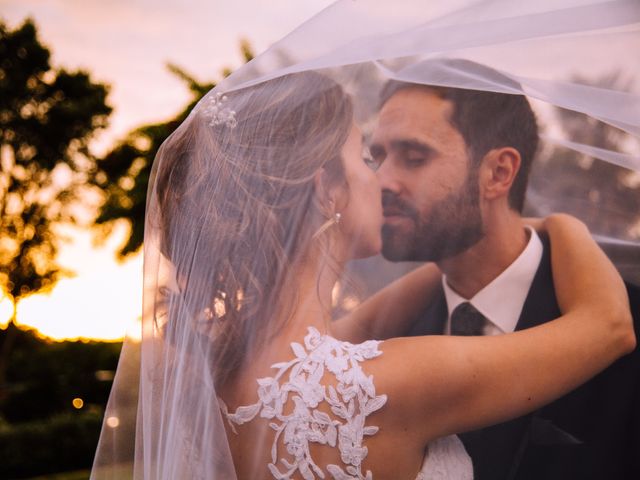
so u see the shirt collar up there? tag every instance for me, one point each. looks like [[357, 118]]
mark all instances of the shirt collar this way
[[501, 301]]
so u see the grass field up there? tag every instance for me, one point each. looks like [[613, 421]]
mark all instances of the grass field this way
[[78, 475]]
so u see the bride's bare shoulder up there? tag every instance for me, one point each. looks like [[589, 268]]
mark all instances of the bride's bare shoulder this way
[[403, 367], [419, 376]]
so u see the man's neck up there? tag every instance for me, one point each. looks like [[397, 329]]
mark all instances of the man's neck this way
[[470, 271]]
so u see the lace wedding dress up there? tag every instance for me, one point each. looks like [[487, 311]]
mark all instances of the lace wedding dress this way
[[351, 401]]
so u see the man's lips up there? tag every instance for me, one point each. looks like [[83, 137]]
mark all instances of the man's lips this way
[[394, 212], [396, 217]]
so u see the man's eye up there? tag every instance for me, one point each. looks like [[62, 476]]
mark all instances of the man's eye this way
[[415, 161]]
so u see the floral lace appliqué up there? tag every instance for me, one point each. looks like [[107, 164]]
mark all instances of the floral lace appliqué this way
[[351, 401]]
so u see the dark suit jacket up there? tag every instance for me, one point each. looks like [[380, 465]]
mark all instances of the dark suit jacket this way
[[591, 433]]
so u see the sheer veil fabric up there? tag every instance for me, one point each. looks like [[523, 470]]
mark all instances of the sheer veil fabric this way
[[224, 183]]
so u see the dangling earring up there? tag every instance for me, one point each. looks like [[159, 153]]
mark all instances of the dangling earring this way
[[335, 220]]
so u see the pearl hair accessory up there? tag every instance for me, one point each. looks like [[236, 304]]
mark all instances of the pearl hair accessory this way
[[218, 113]]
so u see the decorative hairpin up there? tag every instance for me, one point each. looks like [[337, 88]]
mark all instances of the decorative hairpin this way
[[218, 113]]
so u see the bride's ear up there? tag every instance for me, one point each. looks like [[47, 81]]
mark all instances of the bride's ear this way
[[324, 195]]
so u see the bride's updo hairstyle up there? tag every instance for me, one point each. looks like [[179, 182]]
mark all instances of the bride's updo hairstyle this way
[[235, 189]]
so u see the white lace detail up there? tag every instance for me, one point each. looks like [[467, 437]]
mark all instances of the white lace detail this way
[[351, 402]]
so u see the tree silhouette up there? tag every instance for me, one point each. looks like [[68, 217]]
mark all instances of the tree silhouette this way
[[47, 117], [123, 174]]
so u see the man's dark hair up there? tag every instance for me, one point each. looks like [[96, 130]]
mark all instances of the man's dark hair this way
[[488, 120]]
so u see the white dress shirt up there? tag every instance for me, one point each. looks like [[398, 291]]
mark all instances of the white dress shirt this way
[[501, 301]]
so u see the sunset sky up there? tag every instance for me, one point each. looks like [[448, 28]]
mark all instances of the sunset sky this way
[[127, 43]]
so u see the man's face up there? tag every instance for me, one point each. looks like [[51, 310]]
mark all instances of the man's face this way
[[430, 195]]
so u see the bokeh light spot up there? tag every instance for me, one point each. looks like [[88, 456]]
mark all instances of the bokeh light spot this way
[[113, 422]]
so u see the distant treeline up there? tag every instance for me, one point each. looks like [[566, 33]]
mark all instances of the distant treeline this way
[[52, 403]]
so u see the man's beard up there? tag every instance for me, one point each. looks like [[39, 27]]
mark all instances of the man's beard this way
[[453, 225]]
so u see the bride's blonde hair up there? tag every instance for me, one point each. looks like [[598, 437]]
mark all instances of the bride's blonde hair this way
[[245, 195]]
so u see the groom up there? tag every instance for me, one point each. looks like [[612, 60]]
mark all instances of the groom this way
[[453, 168]]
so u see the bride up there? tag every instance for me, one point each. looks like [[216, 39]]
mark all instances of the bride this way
[[257, 202]]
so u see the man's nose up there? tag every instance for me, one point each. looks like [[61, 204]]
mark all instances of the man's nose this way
[[389, 178]]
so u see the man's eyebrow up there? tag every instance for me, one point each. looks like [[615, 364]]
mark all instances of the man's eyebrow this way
[[403, 145], [414, 145]]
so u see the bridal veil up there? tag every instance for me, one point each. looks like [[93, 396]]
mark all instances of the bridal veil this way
[[225, 175]]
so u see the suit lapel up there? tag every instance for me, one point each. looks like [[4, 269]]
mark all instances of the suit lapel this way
[[540, 305]]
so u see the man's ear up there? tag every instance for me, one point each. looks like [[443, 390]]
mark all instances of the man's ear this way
[[498, 171]]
